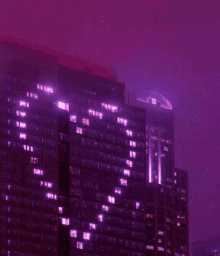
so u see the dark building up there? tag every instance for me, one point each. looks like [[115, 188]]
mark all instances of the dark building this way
[[82, 173]]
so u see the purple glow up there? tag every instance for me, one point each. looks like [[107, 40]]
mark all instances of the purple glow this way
[[129, 163], [48, 89], [24, 104], [85, 121], [129, 133], [100, 217], [132, 154], [95, 113], [118, 191], [122, 121], [34, 160], [79, 245], [22, 125], [60, 209], [127, 172], [92, 226], [137, 205], [38, 172], [73, 118], [124, 182], [160, 233], [86, 235], [62, 105], [132, 144], [65, 221], [150, 247], [154, 101], [111, 199], [73, 233], [79, 130], [22, 136], [161, 249], [105, 208], [109, 107]]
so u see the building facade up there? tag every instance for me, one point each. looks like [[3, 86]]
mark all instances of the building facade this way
[[83, 173]]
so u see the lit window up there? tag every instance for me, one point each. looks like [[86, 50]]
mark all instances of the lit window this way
[[6, 197], [60, 210], [127, 173], [34, 160], [49, 185], [22, 125], [100, 217], [62, 105], [148, 215], [161, 249], [32, 148], [35, 96], [159, 241], [86, 235], [95, 113], [150, 247], [38, 172], [154, 101], [111, 199], [122, 121], [92, 226], [132, 154], [65, 221], [73, 233], [109, 107], [48, 89], [105, 208], [175, 174], [178, 224], [117, 190], [166, 148], [9, 143], [129, 163], [79, 245], [133, 144], [79, 130], [24, 104], [85, 121], [178, 216], [49, 195], [137, 205], [73, 118], [160, 233], [123, 182], [27, 94], [22, 136], [129, 133], [175, 181]]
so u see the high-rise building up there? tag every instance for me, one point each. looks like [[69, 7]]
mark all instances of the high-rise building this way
[[83, 173]]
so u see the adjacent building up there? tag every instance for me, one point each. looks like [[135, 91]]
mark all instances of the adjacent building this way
[[83, 173]]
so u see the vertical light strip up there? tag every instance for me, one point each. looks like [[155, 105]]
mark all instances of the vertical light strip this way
[[159, 158], [150, 158]]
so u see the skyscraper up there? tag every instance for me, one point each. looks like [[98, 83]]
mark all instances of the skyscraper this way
[[82, 173]]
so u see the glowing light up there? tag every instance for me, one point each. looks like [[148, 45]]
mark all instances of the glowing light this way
[[86, 235], [92, 226], [111, 199], [175, 174], [60, 209], [109, 107], [22, 136], [132, 154], [154, 101], [160, 233], [38, 172], [132, 144], [137, 205], [73, 233], [62, 105], [129, 133], [100, 217], [20, 113], [24, 104], [105, 208], [79, 245], [118, 191], [127, 172], [65, 221], [34, 160], [122, 121], [79, 130], [123, 182], [22, 125], [85, 121], [95, 113], [73, 118], [150, 247], [148, 215], [161, 249], [48, 89], [129, 163]]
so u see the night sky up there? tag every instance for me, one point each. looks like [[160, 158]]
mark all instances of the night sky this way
[[172, 46]]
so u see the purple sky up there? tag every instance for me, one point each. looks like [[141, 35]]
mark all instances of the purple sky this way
[[170, 45]]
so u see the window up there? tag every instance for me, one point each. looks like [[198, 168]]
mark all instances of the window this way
[[117, 190], [79, 130], [150, 247], [100, 217], [122, 121], [85, 121], [105, 208], [111, 199], [79, 245], [73, 118], [34, 160], [129, 163], [178, 224], [95, 113], [92, 226], [60, 210], [28, 148], [175, 174], [133, 154], [127, 173], [20, 113], [22, 125], [22, 136], [45, 88], [160, 233], [109, 107], [62, 105], [132, 144], [24, 104], [137, 205], [161, 249], [154, 101], [123, 182], [65, 221], [175, 181], [129, 133], [86, 235], [38, 172], [166, 148], [73, 233], [159, 241]]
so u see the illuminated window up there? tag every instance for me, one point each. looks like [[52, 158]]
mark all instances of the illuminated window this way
[[161, 249], [105, 208], [159, 241], [95, 113], [129, 133], [154, 101], [35, 96], [166, 148], [111, 199], [109, 107], [22, 125], [79, 130], [178, 224], [62, 105], [22, 136], [150, 247], [9, 143], [73, 233], [127, 173], [123, 182], [175, 174], [132, 154], [40, 87], [86, 235], [85, 121], [65, 221], [100, 217], [160, 233], [178, 216], [73, 118], [48, 89], [129, 163], [183, 217], [20, 113], [38, 172], [148, 215], [175, 181], [133, 144], [137, 205], [24, 104], [49, 195], [79, 245], [92, 226], [60, 210], [49, 185], [122, 121], [117, 190], [34, 160]]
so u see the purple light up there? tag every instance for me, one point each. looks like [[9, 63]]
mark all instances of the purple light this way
[[100, 217], [38, 172], [137, 205], [127, 172], [92, 226], [73, 233], [123, 182], [129, 133], [65, 221], [129, 163], [86, 235], [95, 113], [73, 118], [60, 210], [111, 199], [22, 136], [105, 208], [62, 105], [122, 121], [48, 89], [154, 101], [109, 107], [132, 144], [22, 125]]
